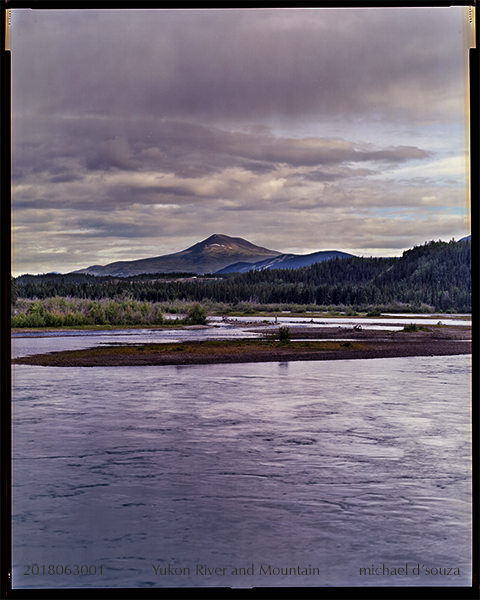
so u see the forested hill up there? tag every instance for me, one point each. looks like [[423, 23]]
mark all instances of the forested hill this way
[[437, 274]]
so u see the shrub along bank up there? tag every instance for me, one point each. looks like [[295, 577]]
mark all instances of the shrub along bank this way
[[71, 312]]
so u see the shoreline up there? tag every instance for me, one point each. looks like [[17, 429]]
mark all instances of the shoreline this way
[[314, 344]]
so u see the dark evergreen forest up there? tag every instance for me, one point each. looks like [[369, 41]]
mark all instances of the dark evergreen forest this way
[[437, 274]]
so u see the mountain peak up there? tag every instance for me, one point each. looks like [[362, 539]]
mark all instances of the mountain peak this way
[[222, 244], [221, 238], [212, 254]]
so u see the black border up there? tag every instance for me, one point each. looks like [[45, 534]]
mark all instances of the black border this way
[[6, 590], [5, 350]]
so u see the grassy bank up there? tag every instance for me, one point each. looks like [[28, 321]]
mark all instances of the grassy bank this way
[[185, 352], [79, 313], [126, 312]]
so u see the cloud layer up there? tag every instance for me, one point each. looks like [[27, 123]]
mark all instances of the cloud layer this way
[[138, 133]]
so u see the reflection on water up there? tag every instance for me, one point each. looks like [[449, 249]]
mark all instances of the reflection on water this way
[[163, 474]]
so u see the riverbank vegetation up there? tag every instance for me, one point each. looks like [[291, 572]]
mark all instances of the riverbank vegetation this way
[[78, 313], [73, 312]]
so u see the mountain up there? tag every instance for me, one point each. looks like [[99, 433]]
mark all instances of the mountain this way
[[467, 238], [217, 254], [284, 261], [214, 253]]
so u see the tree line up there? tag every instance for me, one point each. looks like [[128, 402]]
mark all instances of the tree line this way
[[436, 275]]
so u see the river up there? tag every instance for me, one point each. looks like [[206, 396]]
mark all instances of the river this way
[[342, 473]]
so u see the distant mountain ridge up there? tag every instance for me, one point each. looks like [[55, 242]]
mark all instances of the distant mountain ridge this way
[[285, 261], [210, 255], [217, 254]]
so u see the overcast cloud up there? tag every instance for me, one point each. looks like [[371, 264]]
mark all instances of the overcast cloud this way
[[138, 133]]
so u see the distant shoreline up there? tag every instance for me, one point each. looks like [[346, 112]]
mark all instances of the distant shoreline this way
[[258, 320], [316, 344]]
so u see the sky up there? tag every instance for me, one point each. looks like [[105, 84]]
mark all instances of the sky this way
[[137, 133]]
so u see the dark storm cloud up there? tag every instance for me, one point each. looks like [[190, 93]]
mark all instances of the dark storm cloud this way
[[258, 166], [121, 195], [189, 151], [315, 151], [319, 175], [239, 64], [111, 154], [106, 227], [393, 155], [37, 204], [59, 174]]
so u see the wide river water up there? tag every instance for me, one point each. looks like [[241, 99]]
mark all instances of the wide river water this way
[[337, 473]]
